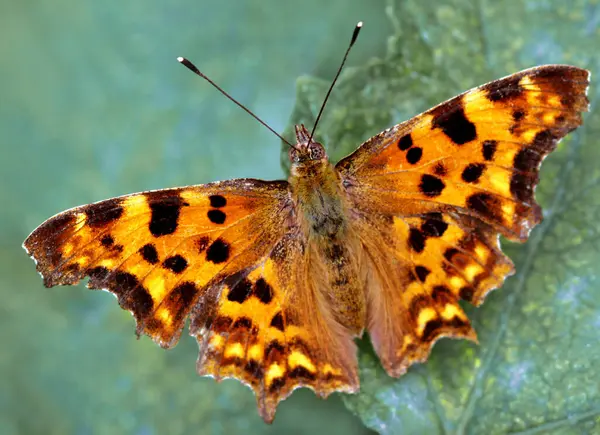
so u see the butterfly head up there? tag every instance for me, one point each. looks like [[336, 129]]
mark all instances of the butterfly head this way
[[306, 150]]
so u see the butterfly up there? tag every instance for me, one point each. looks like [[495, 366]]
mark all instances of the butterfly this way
[[277, 278]]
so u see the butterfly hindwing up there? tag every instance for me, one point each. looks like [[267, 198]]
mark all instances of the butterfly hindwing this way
[[421, 266], [268, 329], [432, 194]]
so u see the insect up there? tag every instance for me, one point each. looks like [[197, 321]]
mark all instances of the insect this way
[[279, 277]]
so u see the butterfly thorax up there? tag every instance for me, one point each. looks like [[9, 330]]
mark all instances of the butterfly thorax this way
[[332, 245], [316, 188]]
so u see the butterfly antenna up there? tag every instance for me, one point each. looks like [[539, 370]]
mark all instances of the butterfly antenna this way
[[352, 41], [189, 65]]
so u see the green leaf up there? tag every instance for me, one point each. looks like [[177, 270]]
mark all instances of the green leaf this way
[[537, 366]]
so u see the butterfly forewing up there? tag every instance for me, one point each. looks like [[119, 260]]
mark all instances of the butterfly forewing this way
[[268, 328], [479, 152], [156, 250]]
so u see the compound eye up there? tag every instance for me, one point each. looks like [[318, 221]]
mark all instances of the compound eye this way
[[316, 151], [293, 155]]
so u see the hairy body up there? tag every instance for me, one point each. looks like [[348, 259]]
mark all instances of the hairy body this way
[[333, 246]]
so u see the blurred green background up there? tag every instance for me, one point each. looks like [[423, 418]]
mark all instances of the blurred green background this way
[[94, 105]]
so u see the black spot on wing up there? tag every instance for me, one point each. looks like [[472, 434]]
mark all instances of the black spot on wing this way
[[434, 225], [217, 201], [544, 141], [522, 185], [473, 172], [405, 142], [148, 253], [442, 295], [489, 149], [527, 160], [451, 119], [524, 180], [432, 329], [103, 213], [254, 369], [458, 323], [97, 274], [124, 282], [240, 292], [131, 293], [107, 241], [216, 216], [165, 207], [276, 385], [175, 263], [413, 156], [184, 293], [218, 251], [466, 293], [164, 219], [416, 240], [504, 89], [274, 346], [277, 321], [179, 300], [263, 291], [302, 372], [139, 302], [486, 205], [431, 185], [243, 323], [518, 114], [422, 273]]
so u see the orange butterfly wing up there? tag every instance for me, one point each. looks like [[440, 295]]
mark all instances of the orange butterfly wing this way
[[227, 255], [156, 250], [291, 342], [432, 194]]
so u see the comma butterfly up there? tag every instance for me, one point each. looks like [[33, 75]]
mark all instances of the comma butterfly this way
[[279, 277]]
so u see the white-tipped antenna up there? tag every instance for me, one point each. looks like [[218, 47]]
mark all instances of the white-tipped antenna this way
[[352, 41], [189, 65]]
